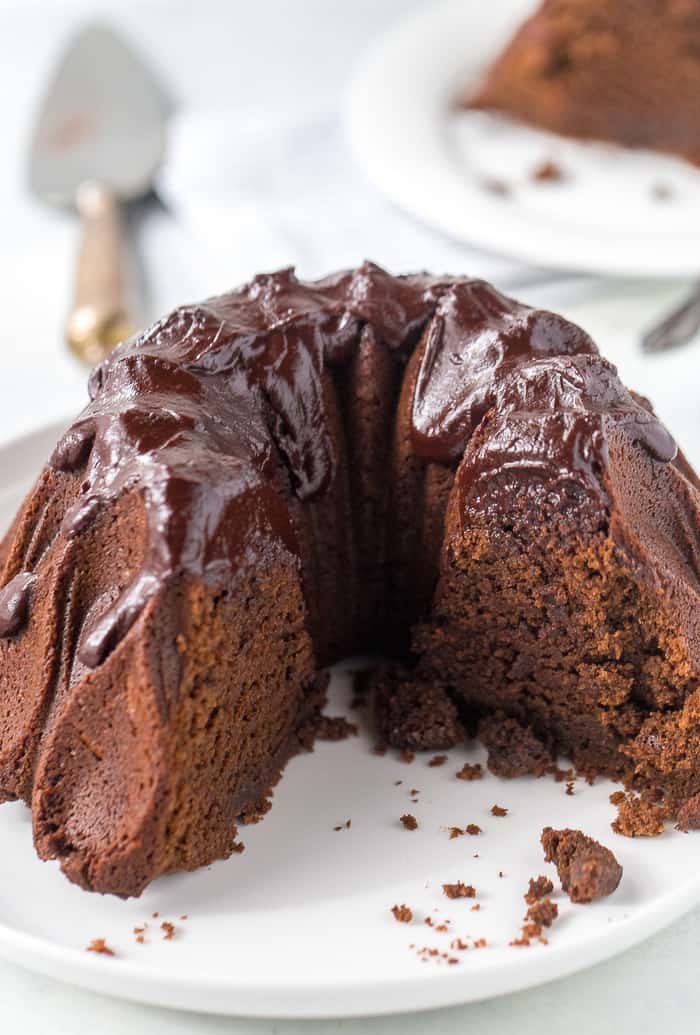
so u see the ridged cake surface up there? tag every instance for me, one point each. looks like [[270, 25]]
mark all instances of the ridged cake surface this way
[[283, 475]]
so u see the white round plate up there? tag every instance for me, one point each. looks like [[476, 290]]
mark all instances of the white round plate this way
[[436, 161], [300, 925]]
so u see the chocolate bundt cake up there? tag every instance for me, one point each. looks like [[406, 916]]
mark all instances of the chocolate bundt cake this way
[[283, 475], [625, 72]]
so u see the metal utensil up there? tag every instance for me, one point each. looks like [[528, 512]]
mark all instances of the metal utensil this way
[[678, 328], [98, 139]]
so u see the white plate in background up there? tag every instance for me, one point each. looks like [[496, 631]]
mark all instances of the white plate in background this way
[[300, 924], [434, 160]]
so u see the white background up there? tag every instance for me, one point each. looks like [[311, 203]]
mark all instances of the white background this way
[[273, 53]]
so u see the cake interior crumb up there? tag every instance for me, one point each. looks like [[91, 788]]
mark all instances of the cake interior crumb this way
[[402, 913]]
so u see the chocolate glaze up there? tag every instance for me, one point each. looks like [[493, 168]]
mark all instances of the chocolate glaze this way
[[245, 470], [552, 420], [14, 603], [216, 415], [477, 341]]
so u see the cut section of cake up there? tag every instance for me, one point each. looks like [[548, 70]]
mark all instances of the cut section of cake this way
[[283, 475], [624, 72]]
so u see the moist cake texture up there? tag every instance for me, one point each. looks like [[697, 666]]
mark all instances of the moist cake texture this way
[[293, 472], [587, 870], [625, 72]]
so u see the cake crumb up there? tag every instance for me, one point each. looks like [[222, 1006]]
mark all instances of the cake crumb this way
[[437, 760], [569, 787], [470, 771], [409, 821], [513, 748], [429, 952], [100, 946], [472, 829], [479, 943], [498, 810], [257, 811], [413, 714], [184, 916], [495, 186], [548, 171], [344, 826], [688, 817], [168, 930], [155, 915], [538, 887], [476, 907], [455, 832], [458, 945], [334, 728], [661, 191], [543, 913], [237, 847], [402, 913], [636, 817], [587, 870], [459, 890], [501, 873], [407, 756]]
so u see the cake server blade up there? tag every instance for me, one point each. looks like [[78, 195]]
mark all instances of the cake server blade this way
[[97, 142], [103, 119]]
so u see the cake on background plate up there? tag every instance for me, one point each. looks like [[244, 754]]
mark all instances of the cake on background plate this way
[[623, 71], [281, 476]]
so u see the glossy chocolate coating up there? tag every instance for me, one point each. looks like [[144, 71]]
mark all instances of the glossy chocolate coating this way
[[14, 603], [216, 415]]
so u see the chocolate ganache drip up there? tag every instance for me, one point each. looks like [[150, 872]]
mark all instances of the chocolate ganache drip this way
[[14, 602], [216, 414]]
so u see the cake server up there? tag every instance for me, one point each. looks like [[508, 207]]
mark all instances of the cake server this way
[[97, 142], [677, 328]]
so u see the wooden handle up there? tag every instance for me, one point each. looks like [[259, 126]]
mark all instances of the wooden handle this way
[[99, 319]]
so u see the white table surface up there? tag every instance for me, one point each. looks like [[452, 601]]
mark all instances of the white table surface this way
[[271, 52]]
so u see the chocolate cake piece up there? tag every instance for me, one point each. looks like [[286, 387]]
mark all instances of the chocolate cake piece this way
[[689, 814], [587, 870], [623, 72], [543, 913], [637, 816], [411, 714], [538, 888], [291, 472], [513, 748]]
